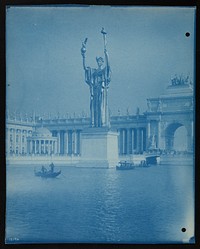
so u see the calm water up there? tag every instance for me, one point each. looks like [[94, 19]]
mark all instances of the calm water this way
[[145, 205]]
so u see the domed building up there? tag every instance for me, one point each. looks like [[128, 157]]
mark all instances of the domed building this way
[[42, 132], [42, 142]]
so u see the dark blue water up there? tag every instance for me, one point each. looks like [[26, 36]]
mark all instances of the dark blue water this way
[[145, 205]]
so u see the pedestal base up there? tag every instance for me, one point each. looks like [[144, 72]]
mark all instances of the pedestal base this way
[[99, 148]]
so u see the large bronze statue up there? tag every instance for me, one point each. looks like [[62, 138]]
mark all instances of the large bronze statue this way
[[98, 81]]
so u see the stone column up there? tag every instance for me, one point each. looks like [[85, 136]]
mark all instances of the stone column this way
[[66, 142], [70, 142], [44, 146], [142, 139], [62, 144], [121, 141], [53, 147], [49, 149], [128, 141], [24, 144], [28, 147], [148, 129], [40, 146], [14, 140], [78, 142], [31, 146], [118, 130], [58, 145], [134, 138], [159, 135], [148, 134], [131, 141], [20, 141], [35, 147], [138, 140], [73, 142], [190, 137]]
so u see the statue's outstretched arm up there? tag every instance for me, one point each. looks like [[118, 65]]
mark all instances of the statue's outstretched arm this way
[[106, 58], [108, 69], [83, 52], [84, 65]]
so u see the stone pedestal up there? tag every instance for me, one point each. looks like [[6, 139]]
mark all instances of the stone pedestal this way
[[99, 148]]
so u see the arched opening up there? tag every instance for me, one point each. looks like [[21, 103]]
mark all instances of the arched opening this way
[[176, 137], [180, 139]]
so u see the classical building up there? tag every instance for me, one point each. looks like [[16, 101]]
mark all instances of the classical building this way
[[17, 133], [151, 130], [42, 142]]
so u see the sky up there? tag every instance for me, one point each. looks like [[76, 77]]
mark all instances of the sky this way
[[147, 46]]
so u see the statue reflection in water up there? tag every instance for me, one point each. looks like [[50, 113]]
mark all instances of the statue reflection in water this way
[[98, 80]]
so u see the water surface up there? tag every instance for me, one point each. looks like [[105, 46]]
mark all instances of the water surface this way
[[145, 205]]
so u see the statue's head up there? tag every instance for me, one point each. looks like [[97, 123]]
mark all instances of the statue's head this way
[[100, 61]]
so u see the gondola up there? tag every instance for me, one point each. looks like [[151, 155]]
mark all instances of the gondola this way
[[44, 173], [47, 174]]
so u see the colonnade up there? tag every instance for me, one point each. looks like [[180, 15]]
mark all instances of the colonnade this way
[[131, 140], [68, 142], [42, 146]]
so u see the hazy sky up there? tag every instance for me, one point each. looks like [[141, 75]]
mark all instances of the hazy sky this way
[[147, 46]]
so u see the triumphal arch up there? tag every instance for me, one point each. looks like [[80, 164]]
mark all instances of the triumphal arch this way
[[170, 111]]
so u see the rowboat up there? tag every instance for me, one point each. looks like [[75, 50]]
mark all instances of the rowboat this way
[[47, 174]]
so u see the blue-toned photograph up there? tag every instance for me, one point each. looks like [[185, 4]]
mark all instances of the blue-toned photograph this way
[[100, 122]]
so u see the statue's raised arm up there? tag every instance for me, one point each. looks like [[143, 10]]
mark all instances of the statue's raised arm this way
[[105, 49], [83, 51], [108, 71], [106, 59]]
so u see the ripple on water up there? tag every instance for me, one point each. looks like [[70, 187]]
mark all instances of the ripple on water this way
[[98, 205]]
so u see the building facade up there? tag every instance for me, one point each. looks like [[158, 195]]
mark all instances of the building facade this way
[[139, 133]]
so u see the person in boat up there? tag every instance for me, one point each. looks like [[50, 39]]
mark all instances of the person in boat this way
[[52, 167], [44, 170]]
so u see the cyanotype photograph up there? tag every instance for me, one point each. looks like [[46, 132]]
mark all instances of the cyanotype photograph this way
[[100, 116]]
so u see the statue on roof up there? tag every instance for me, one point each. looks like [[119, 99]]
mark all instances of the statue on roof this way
[[177, 81]]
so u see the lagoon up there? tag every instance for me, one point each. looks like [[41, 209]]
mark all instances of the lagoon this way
[[90, 205]]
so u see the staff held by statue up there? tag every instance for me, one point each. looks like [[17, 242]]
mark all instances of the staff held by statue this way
[[104, 38]]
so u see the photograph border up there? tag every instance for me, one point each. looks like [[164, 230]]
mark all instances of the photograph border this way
[[2, 125]]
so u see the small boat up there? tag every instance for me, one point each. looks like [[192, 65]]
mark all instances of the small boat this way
[[44, 173], [125, 166], [47, 174]]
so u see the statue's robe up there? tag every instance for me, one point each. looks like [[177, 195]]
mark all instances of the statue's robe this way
[[98, 81]]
